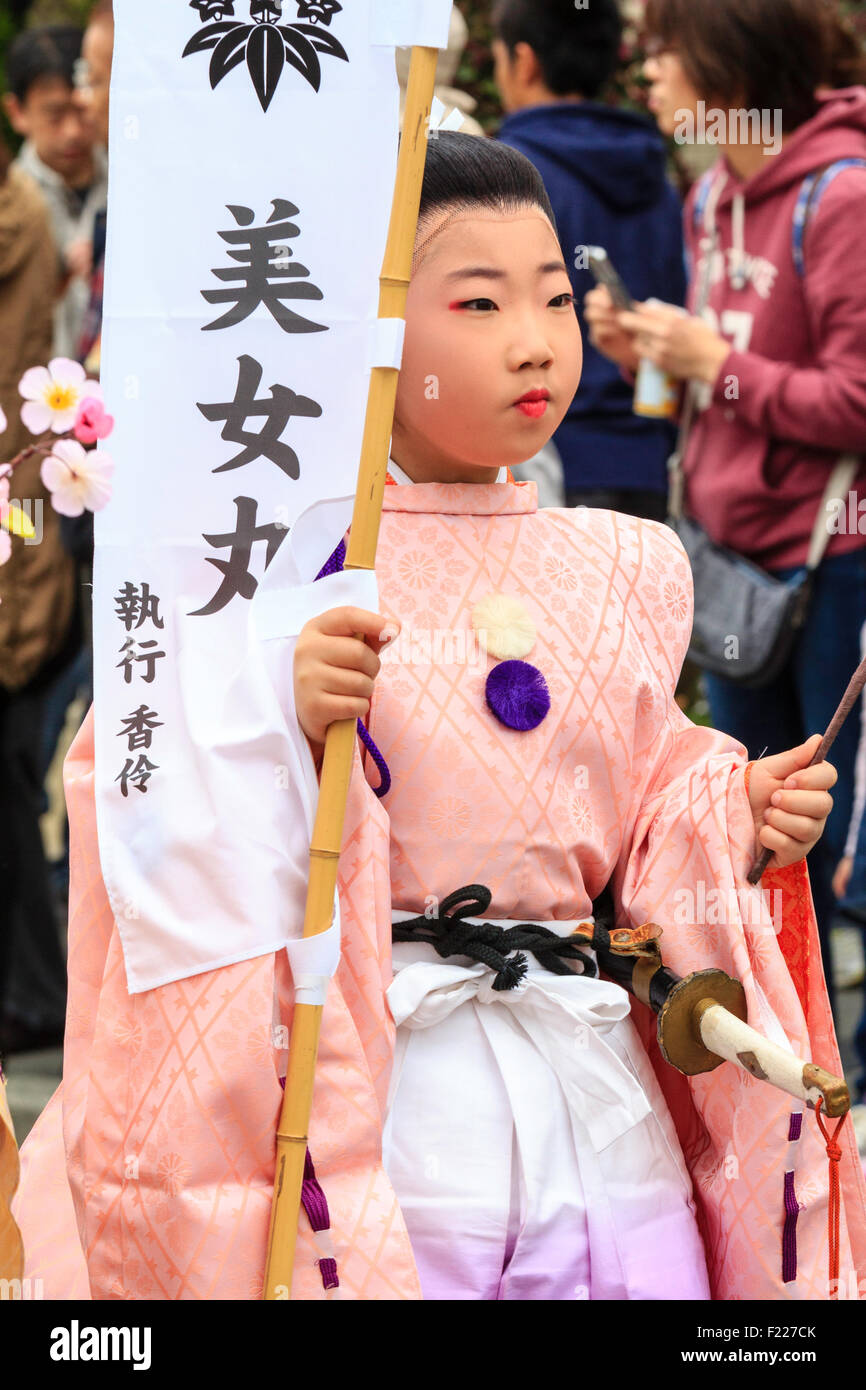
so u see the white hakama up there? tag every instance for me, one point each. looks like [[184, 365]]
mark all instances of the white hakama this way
[[529, 1143]]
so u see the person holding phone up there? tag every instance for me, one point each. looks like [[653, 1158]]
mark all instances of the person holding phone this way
[[776, 361]]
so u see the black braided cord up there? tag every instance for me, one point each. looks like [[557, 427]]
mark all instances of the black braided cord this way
[[451, 935]]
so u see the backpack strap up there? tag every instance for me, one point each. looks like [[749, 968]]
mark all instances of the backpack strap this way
[[705, 183], [708, 189], [813, 189]]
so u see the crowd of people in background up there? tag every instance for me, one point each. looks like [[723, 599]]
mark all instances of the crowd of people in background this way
[[751, 297], [53, 199]]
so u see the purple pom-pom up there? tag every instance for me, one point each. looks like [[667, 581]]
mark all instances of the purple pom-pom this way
[[517, 694]]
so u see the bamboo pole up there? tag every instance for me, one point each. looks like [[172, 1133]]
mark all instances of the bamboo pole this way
[[340, 739]]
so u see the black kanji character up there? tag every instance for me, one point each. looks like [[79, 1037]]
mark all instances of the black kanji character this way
[[263, 259], [237, 579], [266, 443], [136, 773], [149, 657], [140, 726], [132, 604]]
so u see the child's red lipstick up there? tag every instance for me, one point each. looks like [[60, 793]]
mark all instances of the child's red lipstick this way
[[534, 404]]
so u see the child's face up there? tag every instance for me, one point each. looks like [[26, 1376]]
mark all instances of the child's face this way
[[490, 317]]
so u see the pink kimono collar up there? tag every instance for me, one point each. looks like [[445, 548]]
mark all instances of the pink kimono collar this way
[[463, 499]]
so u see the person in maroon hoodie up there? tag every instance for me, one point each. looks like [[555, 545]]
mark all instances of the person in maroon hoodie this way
[[779, 353]]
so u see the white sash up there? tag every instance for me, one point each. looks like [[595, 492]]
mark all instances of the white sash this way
[[565, 1017]]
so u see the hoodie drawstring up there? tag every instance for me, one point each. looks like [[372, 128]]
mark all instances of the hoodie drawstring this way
[[738, 277]]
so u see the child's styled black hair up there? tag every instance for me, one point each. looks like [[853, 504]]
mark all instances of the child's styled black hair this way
[[39, 53], [578, 49], [467, 171]]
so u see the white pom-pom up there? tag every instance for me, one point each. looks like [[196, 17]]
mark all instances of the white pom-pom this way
[[504, 625]]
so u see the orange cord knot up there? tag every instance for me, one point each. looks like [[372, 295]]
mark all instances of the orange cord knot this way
[[834, 1153]]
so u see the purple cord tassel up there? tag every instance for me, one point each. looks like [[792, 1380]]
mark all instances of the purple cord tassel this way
[[333, 566], [789, 1233], [792, 1211], [384, 773], [315, 1204]]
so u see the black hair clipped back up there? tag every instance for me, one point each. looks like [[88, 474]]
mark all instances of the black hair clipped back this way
[[577, 46], [468, 171], [40, 53]]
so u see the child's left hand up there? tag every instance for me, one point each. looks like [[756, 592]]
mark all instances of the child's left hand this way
[[791, 801]]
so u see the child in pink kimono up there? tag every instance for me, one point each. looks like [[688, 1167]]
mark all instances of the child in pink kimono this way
[[526, 717], [529, 752]]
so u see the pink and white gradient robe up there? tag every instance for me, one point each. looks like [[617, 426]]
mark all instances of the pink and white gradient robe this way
[[149, 1175], [513, 1184]]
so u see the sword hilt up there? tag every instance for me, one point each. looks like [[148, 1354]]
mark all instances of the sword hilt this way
[[703, 1022]]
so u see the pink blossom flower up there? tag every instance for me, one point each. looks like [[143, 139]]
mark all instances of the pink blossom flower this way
[[53, 394], [76, 479], [92, 422], [4, 423], [5, 546]]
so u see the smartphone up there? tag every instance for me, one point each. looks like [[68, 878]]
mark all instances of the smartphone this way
[[602, 269]]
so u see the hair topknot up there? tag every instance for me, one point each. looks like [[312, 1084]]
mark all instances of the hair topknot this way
[[464, 172]]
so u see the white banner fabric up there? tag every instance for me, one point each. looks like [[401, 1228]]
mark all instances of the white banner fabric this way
[[252, 164]]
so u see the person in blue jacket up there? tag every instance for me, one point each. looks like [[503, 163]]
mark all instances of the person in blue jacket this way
[[605, 173]]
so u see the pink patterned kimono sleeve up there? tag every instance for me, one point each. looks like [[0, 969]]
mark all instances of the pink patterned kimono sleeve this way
[[150, 1174], [688, 844]]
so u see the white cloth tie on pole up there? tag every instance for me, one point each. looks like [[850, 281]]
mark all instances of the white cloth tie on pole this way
[[315, 960], [385, 348]]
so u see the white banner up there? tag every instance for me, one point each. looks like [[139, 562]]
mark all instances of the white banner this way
[[252, 163]]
